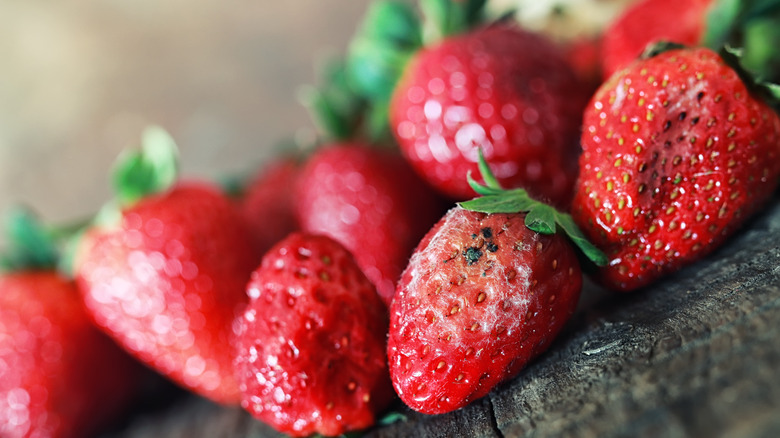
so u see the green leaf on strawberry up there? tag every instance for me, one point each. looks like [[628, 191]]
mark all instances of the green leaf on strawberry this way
[[30, 244], [150, 169], [540, 217]]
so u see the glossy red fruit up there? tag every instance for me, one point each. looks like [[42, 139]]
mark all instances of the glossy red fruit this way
[[650, 21], [481, 297], [311, 344], [370, 201], [167, 282], [268, 202], [504, 90], [59, 376], [677, 155]]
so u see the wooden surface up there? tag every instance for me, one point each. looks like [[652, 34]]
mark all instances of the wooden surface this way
[[695, 355]]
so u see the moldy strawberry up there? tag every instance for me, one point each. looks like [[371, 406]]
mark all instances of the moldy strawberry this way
[[487, 290]]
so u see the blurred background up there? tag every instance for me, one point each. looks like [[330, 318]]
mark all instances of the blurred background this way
[[79, 80]]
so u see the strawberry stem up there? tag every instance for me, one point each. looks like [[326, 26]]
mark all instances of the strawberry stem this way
[[540, 217]]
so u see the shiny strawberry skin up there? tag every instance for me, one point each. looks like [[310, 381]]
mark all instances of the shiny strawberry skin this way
[[649, 21], [60, 377], [168, 281], [481, 297], [677, 154], [504, 90], [311, 344], [268, 202], [370, 201]]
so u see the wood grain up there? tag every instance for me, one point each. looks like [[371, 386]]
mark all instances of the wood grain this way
[[695, 355]]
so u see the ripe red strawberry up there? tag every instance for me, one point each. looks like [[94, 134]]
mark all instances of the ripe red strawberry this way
[[59, 376], [677, 154], [267, 202], [311, 344], [370, 201], [649, 21], [483, 294], [502, 89], [167, 281]]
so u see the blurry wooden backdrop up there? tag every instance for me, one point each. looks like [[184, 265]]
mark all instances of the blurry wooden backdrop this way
[[80, 79]]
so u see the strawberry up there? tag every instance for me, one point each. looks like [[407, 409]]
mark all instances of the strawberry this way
[[483, 294], [267, 202], [749, 25], [502, 89], [649, 21], [59, 376], [167, 277], [678, 153], [447, 84], [370, 201], [311, 344], [167, 281]]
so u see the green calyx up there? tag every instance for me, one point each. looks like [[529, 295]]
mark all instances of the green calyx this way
[[30, 245], [540, 217], [447, 17], [355, 103], [152, 168], [752, 26]]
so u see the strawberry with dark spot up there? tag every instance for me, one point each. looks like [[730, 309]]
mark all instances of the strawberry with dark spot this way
[[483, 294], [678, 153], [310, 347]]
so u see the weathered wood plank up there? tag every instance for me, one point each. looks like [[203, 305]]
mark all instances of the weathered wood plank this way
[[695, 355]]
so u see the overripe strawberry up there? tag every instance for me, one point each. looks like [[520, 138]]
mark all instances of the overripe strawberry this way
[[60, 377], [649, 21], [370, 201], [502, 89], [267, 202], [311, 344], [483, 294], [167, 281], [678, 152]]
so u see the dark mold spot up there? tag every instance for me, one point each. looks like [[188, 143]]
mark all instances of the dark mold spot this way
[[472, 255]]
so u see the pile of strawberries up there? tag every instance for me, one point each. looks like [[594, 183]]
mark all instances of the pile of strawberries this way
[[426, 249]]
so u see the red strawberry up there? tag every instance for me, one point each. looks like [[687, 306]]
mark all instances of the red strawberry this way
[[502, 89], [59, 376], [649, 21], [677, 154], [482, 295], [311, 344], [167, 281], [370, 201], [267, 202]]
